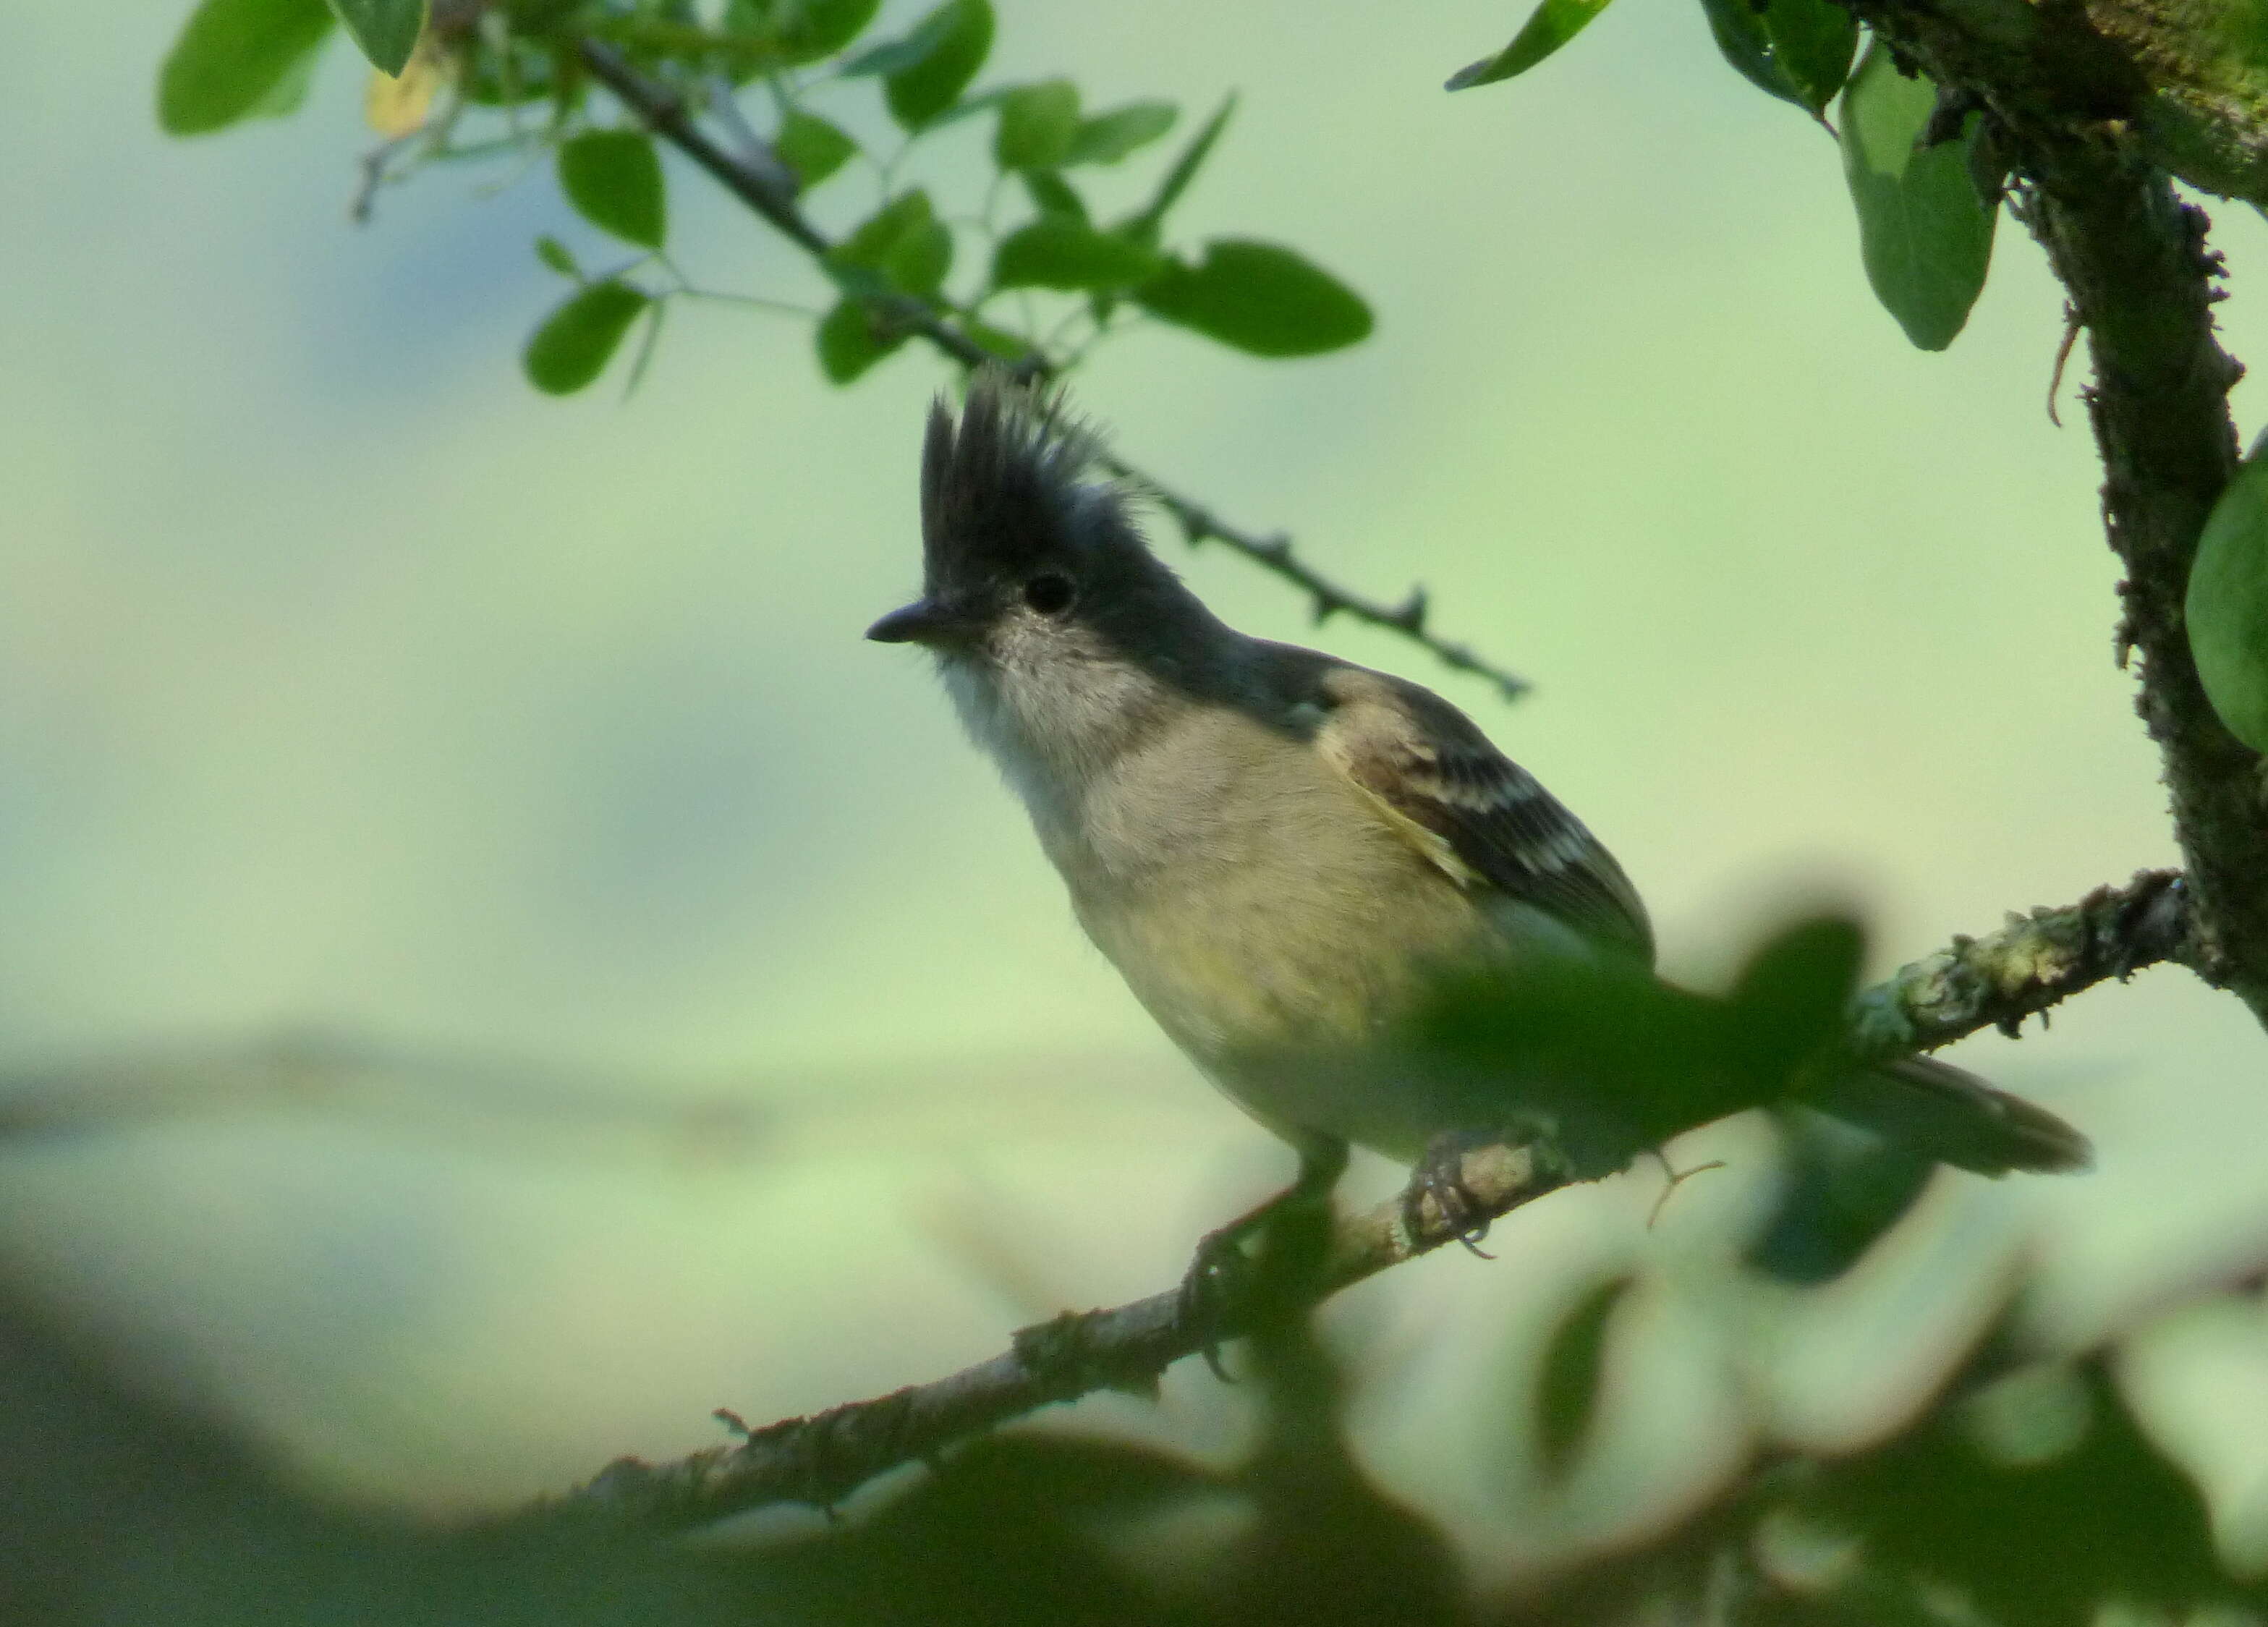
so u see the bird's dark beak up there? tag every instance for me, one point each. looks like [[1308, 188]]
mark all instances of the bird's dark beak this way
[[924, 622]]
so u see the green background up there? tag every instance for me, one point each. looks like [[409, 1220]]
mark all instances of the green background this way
[[736, 1046]]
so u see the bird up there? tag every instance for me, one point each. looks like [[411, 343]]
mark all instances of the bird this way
[[1282, 851]]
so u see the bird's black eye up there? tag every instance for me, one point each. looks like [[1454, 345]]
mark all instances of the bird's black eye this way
[[1050, 592]]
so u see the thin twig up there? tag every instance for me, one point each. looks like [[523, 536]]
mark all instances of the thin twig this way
[[772, 196], [665, 114], [1407, 618]]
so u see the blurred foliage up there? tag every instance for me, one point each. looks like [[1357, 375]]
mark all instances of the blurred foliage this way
[[2026, 1492], [2023, 1490], [1603, 1061], [1572, 1377]]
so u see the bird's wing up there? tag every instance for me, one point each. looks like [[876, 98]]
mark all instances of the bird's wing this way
[[1471, 810]]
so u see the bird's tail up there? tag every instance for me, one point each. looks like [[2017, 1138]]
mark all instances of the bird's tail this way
[[1944, 1113]]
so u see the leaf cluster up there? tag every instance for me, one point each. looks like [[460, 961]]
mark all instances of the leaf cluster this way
[[893, 270]]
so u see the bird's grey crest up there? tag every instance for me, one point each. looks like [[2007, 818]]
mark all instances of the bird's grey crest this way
[[1002, 488]]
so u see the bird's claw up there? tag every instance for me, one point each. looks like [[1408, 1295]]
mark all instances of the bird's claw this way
[[1441, 1176], [1216, 1277]]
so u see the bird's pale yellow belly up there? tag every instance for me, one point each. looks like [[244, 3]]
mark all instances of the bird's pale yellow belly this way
[[1296, 933]]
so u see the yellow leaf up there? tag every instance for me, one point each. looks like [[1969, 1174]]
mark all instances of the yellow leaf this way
[[398, 107]]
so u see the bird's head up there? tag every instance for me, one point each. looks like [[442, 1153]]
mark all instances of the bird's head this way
[[1028, 561]]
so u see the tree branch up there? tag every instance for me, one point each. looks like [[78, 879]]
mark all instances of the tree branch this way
[[821, 1459], [2140, 280], [2035, 961], [769, 193], [1996, 981]]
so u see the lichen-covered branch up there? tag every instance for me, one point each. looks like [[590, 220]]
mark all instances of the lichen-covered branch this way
[[2034, 962], [2206, 118], [2134, 260], [766, 191], [1995, 981]]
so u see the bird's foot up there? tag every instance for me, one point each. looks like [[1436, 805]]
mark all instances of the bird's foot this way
[[1440, 1176], [1218, 1280], [1218, 1288]]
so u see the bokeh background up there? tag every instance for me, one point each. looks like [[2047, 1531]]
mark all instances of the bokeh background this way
[[494, 967]]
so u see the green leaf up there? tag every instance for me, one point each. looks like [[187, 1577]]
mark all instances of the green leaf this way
[[812, 147], [918, 263], [953, 43], [1185, 170], [847, 342], [231, 56], [1062, 251], [969, 106], [1052, 195], [2228, 605], [893, 56], [553, 254], [1925, 235], [1739, 29], [903, 242], [1813, 41], [1008, 346], [289, 94], [1841, 1191], [1551, 25], [1037, 122], [385, 31], [1789, 997], [1106, 138], [1259, 298], [614, 180], [817, 29], [1573, 1374], [577, 340]]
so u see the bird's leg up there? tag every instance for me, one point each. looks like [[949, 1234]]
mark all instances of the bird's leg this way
[[1440, 1174], [1215, 1280]]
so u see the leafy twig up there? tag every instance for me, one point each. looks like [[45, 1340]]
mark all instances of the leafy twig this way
[[770, 192]]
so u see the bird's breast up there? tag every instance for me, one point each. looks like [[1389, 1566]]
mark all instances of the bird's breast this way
[[1257, 901]]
